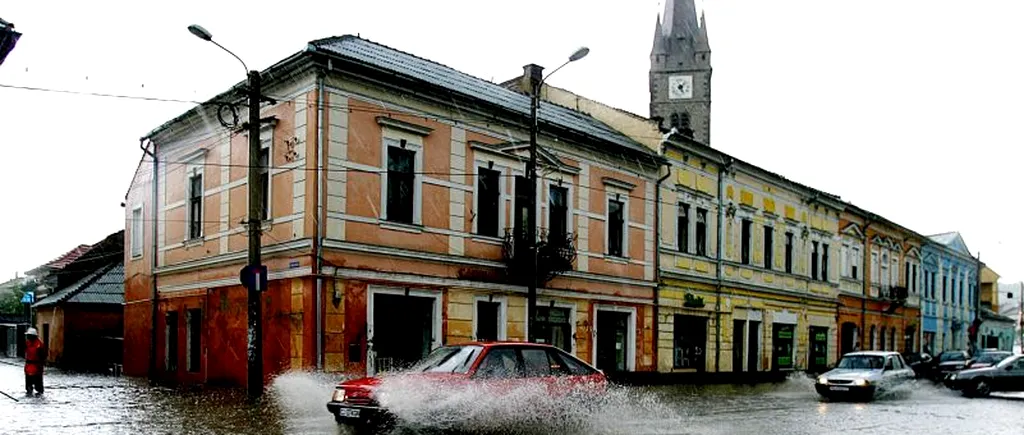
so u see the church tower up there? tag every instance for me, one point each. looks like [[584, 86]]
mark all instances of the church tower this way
[[680, 76]]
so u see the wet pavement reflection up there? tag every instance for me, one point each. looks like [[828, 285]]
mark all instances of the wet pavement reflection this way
[[99, 404]]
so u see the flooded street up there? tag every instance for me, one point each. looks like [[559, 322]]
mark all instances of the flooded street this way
[[99, 404]]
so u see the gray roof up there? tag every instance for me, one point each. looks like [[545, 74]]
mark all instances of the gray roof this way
[[380, 56], [104, 286]]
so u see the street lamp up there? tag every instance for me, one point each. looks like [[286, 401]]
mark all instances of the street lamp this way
[[253, 274], [536, 82]]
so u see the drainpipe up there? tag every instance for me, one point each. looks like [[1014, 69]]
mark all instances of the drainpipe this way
[[723, 168], [153, 259], [318, 221], [657, 255], [867, 283]]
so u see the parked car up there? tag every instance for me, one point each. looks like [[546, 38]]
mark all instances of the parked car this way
[[497, 366], [921, 363], [1007, 375], [987, 358], [949, 362], [862, 374]]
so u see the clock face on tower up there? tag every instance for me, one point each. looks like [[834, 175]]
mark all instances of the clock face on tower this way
[[680, 87]]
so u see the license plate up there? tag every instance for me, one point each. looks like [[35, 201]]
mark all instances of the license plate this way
[[839, 388], [348, 412]]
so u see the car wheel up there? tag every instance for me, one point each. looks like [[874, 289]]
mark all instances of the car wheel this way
[[981, 388]]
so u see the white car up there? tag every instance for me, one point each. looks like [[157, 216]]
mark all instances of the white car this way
[[862, 374]]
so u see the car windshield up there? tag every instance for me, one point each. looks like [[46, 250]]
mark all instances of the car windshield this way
[[992, 357], [452, 359], [951, 356], [872, 362]]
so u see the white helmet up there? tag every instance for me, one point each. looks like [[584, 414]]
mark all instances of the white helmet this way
[[32, 331]]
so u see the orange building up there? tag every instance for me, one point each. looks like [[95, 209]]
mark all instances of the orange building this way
[[880, 284], [396, 197]]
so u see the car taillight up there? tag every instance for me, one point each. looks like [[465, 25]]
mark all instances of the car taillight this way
[[339, 395]]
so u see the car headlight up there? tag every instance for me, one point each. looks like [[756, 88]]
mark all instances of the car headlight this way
[[952, 377], [822, 380], [861, 382], [339, 395]]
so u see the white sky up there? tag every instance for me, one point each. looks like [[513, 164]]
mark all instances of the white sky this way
[[907, 108]]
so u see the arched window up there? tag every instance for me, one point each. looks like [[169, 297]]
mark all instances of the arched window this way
[[684, 121]]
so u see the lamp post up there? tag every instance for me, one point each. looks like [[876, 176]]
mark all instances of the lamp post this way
[[536, 82], [254, 352]]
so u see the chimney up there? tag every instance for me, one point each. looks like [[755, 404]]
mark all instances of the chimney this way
[[532, 75]]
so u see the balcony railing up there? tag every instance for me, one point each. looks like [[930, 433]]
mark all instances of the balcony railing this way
[[897, 296], [556, 253]]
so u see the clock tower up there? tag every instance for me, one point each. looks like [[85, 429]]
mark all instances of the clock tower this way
[[680, 76]]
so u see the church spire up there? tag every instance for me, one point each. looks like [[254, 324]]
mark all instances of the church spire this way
[[680, 19], [660, 47]]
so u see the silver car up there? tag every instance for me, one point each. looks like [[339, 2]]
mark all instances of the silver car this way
[[862, 374]]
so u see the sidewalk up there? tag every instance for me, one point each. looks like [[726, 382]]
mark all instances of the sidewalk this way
[[12, 361]]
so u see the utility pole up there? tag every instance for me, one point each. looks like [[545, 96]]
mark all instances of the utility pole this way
[[535, 77], [255, 349]]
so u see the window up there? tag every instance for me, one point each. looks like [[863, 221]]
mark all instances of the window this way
[[488, 201], [137, 231], [554, 327], [194, 319], [263, 179], [558, 211], [885, 270], [536, 362], [195, 205], [171, 341], [874, 338], [401, 180], [789, 252], [702, 232], [824, 261], [689, 340], [944, 280], [522, 200], [500, 363], [769, 246], [683, 227], [881, 342], [913, 277], [906, 274], [854, 262], [745, 242], [892, 339], [616, 227], [488, 320], [874, 269], [814, 260], [934, 284]]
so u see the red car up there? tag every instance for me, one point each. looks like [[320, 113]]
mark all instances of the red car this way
[[496, 367]]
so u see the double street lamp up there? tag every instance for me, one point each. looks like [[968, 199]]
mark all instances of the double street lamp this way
[[536, 83], [253, 274]]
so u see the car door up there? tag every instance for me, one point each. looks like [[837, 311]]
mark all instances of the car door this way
[[906, 372], [889, 373], [1013, 377]]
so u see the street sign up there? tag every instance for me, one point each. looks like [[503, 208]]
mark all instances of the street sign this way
[[254, 277]]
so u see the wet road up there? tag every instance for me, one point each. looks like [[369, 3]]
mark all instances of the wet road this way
[[98, 404]]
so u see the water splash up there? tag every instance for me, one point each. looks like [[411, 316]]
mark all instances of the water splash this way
[[523, 408], [301, 398]]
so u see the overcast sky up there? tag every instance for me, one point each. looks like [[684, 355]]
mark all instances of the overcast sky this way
[[907, 108]]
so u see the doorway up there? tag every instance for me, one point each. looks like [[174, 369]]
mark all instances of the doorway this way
[[404, 327], [782, 346], [738, 327], [753, 346], [819, 350], [849, 338], [615, 336]]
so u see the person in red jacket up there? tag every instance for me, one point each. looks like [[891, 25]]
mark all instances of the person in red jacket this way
[[35, 358]]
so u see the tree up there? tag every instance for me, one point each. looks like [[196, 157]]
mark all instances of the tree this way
[[10, 301]]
